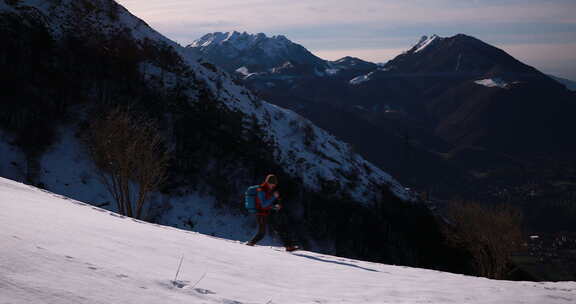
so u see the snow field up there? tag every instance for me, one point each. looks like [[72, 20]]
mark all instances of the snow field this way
[[57, 250], [492, 83]]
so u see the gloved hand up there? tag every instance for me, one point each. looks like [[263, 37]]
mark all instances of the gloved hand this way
[[277, 207]]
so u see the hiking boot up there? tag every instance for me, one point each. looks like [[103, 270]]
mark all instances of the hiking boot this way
[[250, 244], [292, 248]]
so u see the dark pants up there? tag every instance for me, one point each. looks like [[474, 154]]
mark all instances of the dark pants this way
[[277, 223]]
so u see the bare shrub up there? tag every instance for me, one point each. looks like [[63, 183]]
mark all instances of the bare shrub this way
[[490, 233], [130, 156]]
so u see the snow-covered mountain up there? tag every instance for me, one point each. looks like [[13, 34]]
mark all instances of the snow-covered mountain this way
[[452, 96], [457, 54], [252, 53], [262, 59], [473, 89], [89, 55], [59, 250], [454, 78], [489, 111], [281, 127]]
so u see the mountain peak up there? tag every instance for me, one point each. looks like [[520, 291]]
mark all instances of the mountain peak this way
[[256, 52], [353, 63], [236, 39], [281, 38], [427, 41], [424, 42], [349, 59], [461, 36], [457, 54]]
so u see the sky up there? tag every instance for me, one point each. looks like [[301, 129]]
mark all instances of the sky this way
[[541, 33]]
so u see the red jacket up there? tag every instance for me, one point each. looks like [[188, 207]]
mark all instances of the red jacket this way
[[264, 200]]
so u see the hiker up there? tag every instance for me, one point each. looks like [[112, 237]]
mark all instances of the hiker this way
[[267, 201]]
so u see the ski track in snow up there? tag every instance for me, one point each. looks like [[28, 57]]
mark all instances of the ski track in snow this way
[[57, 250]]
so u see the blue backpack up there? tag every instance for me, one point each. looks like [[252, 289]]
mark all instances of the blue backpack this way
[[250, 198]]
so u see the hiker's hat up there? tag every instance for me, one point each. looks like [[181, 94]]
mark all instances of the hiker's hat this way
[[271, 179]]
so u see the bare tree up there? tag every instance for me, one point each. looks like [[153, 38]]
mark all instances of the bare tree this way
[[490, 233], [130, 156]]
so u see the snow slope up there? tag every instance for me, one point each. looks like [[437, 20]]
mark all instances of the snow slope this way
[[424, 43], [360, 79], [57, 250]]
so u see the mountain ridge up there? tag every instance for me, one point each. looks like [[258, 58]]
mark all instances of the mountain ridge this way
[[89, 56], [233, 97], [230, 50], [450, 85]]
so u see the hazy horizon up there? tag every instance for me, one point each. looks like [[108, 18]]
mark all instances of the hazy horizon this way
[[539, 34]]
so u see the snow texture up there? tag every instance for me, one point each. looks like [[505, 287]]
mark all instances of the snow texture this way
[[66, 170], [243, 70], [360, 79], [492, 83], [58, 250], [243, 41], [332, 71], [424, 43]]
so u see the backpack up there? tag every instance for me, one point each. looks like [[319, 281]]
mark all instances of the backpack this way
[[250, 198]]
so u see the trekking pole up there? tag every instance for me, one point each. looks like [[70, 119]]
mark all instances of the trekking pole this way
[[178, 271]]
